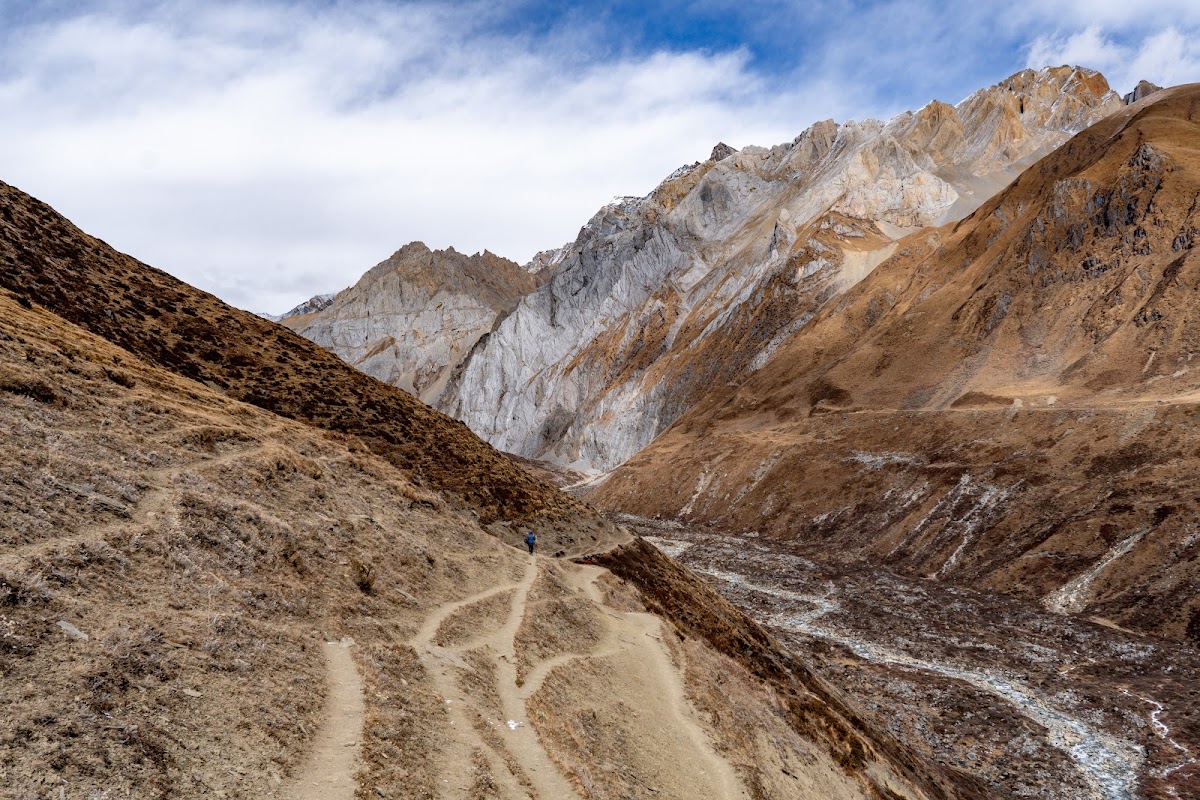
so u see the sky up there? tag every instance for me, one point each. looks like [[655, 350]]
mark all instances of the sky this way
[[268, 151]]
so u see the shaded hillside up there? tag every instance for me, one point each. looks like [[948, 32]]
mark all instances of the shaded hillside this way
[[199, 551], [50, 263], [1008, 401], [809, 705]]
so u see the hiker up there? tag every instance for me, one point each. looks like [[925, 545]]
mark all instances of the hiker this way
[[530, 540]]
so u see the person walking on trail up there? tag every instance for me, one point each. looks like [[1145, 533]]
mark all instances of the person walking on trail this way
[[530, 540]]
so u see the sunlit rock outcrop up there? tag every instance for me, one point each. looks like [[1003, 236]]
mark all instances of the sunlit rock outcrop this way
[[414, 317], [662, 297]]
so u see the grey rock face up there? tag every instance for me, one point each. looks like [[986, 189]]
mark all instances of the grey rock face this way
[[592, 349], [413, 318], [721, 152], [1143, 89], [663, 298], [312, 305]]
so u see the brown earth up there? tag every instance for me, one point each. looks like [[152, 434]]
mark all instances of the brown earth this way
[[49, 262], [175, 563], [1007, 402], [208, 550]]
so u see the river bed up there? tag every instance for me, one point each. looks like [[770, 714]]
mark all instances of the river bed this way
[[1037, 704]]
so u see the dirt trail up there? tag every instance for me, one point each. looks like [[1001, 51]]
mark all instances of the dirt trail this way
[[329, 771], [523, 740], [158, 500], [517, 762], [429, 628], [523, 767], [637, 637]]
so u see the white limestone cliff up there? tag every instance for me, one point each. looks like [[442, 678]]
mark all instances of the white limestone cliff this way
[[592, 349], [413, 318], [662, 298]]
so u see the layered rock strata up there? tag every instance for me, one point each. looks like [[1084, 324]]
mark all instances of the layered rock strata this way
[[1010, 401], [663, 297], [231, 565], [412, 319]]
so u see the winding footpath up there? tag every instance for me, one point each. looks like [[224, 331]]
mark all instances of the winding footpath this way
[[328, 774], [518, 761], [488, 734], [529, 770]]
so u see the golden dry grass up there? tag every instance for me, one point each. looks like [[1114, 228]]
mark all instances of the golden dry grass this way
[[1002, 402]]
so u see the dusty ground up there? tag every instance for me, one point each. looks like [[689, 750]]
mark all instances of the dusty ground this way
[[174, 563], [334, 756], [1034, 703], [197, 502], [49, 263], [206, 549]]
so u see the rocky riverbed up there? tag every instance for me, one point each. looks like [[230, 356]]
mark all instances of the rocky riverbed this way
[[1038, 704]]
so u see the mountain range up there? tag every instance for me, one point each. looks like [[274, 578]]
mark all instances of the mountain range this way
[[696, 285], [1008, 401], [915, 396], [232, 565], [886, 337]]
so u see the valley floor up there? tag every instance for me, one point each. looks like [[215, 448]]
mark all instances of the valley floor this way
[[1037, 704]]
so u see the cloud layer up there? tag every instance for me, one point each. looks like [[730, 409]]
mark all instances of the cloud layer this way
[[267, 152]]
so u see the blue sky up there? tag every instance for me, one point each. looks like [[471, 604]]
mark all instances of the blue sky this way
[[267, 151]]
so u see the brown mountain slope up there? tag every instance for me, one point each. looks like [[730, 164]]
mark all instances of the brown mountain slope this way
[[1008, 402], [173, 561], [178, 568], [203, 549], [49, 262]]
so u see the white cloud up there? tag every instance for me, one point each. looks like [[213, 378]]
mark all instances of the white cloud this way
[[266, 154], [268, 151], [1088, 47], [1155, 40], [1110, 14], [1166, 57]]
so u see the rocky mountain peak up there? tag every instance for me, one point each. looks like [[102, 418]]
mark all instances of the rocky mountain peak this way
[[413, 317], [498, 279], [661, 295], [543, 264], [591, 350], [721, 152], [1066, 290], [1143, 89], [1065, 99], [1078, 81]]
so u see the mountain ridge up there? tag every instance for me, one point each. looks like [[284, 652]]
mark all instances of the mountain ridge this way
[[204, 507], [53, 264], [665, 296], [698, 283], [974, 408], [412, 319]]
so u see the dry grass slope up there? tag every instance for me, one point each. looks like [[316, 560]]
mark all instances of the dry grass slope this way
[[50, 263], [206, 548], [1005, 402], [198, 500]]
